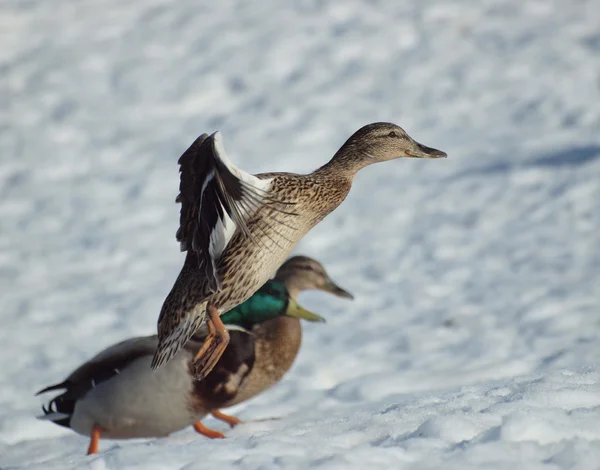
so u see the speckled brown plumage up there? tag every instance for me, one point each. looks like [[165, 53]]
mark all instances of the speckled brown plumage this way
[[294, 205]]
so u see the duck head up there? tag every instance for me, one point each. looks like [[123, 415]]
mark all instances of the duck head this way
[[301, 273], [379, 142]]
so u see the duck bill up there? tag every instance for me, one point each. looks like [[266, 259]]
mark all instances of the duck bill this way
[[336, 290], [421, 151], [294, 310]]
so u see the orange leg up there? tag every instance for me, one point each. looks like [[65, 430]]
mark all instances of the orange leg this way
[[200, 428], [214, 344], [95, 437], [231, 420]]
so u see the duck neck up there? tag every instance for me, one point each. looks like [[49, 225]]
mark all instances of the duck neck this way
[[292, 282], [294, 289], [345, 163]]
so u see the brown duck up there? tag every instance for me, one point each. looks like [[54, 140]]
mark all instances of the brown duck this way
[[238, 228]]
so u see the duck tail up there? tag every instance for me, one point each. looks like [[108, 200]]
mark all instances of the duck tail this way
[[173, 336], [60, 409]]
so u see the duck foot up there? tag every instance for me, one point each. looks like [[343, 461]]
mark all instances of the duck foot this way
[[214, 344], [211, 434], [231, 420], [94, 438]]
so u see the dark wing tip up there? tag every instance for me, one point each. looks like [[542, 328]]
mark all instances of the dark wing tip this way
[[193, 167], [192, 149]]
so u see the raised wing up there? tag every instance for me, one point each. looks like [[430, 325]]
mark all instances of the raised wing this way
[[217, 200]]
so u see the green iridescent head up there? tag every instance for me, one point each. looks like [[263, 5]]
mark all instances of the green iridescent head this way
[[270, 301]]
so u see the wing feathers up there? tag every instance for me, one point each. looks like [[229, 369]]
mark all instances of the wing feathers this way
[[217, 199]]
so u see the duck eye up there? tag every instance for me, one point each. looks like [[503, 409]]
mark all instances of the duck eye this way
[[392, 134]]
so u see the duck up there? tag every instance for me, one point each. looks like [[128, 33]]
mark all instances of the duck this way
[[238, 228], [278, 339], [116, 395]]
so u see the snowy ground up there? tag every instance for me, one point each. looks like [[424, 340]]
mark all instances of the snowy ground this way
[[473, 340]]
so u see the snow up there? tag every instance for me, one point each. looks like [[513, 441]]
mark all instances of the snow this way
[[472, 342]]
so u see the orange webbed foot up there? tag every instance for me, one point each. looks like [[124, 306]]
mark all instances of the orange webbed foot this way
[[210, 433], [214, 345], [231, 420]]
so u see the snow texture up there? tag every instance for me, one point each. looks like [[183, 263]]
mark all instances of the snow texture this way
[[473, 339]]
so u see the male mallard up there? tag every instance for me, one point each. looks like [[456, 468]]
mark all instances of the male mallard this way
[[238, 228], [277, 340], [117, 395]]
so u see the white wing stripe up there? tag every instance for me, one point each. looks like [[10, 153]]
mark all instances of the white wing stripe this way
[[261, 185], [224, 229], [220, 236], [208, 179]]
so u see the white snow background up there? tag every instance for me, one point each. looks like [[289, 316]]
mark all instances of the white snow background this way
[[474, 338]]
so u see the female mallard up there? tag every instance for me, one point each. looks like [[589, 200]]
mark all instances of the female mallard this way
[[237, 229], [116, 394]]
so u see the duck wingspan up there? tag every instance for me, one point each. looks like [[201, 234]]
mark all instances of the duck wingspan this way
[[216, 199]]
